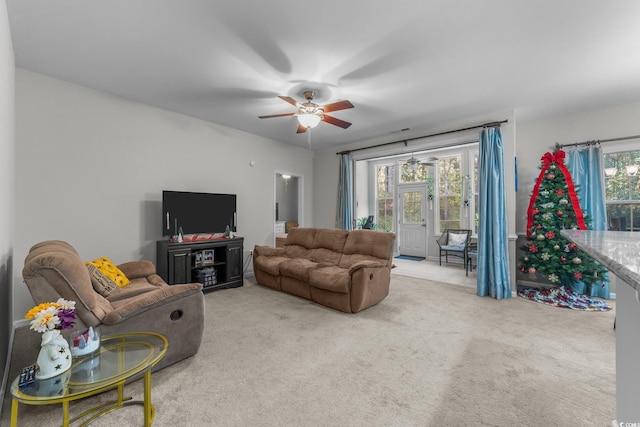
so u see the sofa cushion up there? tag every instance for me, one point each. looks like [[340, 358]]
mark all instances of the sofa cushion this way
[[101, 283], [304, 237], [328, 245], [300, 242], [297, 268], [270, 264], [362, 245], [331, 278], [110, 270]]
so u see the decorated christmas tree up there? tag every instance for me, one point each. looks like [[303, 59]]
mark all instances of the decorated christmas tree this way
[[554, 206]]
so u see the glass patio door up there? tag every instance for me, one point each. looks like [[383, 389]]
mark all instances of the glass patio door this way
[[412, 224]]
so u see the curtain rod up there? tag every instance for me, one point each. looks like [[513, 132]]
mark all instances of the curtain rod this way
[[599, 141], [405, 141]]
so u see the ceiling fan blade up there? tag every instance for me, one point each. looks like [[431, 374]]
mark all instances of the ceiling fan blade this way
[[337, 106], [301, 129], [276, 115], [336, 122], [289, 100]]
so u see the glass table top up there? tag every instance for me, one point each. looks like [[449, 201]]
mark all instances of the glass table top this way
[[120, 357]]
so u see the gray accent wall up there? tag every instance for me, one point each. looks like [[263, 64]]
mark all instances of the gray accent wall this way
[[91, 167], [7, 181]]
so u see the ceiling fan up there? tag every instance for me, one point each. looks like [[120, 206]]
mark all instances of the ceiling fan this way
[[310, 114], [412, 163]]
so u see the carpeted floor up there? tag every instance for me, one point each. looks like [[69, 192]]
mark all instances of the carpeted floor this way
[[431, 354]]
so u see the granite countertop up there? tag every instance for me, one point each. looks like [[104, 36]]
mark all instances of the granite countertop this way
[[619, 251]]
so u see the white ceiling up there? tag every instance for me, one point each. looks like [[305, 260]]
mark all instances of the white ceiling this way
[[403, 64]]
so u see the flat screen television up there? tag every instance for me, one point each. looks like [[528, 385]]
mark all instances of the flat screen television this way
[[197, 212]]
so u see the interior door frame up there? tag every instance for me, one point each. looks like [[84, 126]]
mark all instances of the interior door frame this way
[[300, 196]]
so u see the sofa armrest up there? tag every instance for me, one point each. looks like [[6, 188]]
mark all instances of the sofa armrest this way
[[136, 269], [150, 300], [365, 264], [369, 284], [267, 251]]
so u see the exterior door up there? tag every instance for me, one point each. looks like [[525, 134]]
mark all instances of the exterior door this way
[[412, 224]]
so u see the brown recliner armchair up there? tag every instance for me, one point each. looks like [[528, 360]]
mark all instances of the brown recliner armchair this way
[[53, 269]]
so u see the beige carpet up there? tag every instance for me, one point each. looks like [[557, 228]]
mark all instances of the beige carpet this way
[[431, 354]]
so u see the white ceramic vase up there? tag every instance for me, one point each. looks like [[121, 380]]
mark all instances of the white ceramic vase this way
[[54, 357]]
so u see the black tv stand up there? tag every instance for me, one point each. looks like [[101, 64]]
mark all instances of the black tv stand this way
[[189, 262]]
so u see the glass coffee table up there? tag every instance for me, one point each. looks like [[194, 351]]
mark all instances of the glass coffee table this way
[[119, 358]]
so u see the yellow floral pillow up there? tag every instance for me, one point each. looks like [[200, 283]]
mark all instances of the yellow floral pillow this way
[[109, 269]]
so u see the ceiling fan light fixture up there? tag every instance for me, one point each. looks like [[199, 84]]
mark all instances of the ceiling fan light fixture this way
[[309, 120], [412, 163]]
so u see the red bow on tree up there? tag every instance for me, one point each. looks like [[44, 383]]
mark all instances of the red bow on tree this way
[[549, 158]]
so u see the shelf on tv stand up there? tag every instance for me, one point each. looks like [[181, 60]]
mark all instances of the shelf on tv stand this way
[[178, 262]]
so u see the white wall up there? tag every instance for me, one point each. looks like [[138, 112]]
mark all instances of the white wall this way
[[90, 169], [7, 182]]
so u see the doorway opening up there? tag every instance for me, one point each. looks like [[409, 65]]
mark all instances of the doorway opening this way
[[287, 202]]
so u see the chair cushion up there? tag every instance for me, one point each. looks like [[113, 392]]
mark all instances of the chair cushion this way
[[101, 283], [452, 248], [137, 287], [110, 270], [456, 239]]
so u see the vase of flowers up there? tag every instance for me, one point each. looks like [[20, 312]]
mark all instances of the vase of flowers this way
[[50, 318]]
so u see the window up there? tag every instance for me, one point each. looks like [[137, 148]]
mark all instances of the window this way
[[622, 190], [385, 190], [412, 208], [409, 175], [450, 191], [449, 176]]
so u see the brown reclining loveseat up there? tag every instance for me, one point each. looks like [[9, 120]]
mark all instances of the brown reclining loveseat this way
[[345, 270]]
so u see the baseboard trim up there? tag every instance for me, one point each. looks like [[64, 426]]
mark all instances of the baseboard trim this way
[[20, 323]]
